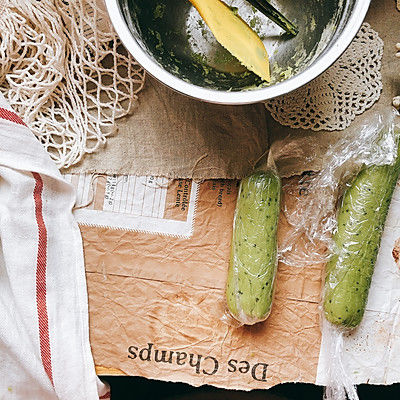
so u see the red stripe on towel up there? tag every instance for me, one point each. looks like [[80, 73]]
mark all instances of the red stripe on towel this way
[[11, 116], [41, 289]]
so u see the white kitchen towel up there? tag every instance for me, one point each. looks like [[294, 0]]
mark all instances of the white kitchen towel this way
[[44, 334]]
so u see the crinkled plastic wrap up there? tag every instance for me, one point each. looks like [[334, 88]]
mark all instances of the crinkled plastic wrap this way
[[339, 385], [254, 254], [314, 214], [341, 213], [361, 219]]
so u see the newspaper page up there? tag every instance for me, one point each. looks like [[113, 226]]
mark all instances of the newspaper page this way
[[157, 254]]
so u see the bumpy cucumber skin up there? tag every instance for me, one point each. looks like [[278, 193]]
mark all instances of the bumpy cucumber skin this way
[[253, 262], [361, 220]]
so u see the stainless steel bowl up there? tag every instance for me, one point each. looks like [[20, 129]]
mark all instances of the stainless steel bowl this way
[[170, 40]]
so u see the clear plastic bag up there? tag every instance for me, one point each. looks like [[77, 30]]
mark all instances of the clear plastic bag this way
[[313, 214]]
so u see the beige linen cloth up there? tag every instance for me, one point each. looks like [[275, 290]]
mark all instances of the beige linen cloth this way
[[175, 136]]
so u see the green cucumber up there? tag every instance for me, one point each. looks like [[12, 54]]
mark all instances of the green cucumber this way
[[361, 219], [253, 261]]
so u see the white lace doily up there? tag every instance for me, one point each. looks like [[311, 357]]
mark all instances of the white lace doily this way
[[348, 88], [65, 72]]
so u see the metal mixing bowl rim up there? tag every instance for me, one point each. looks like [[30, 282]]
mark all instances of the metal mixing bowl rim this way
[[246, 96]]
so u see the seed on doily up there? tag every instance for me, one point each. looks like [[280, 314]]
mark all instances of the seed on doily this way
[[396, 252]]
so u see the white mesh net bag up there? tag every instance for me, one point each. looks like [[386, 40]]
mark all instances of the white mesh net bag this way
[[65, 72]]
